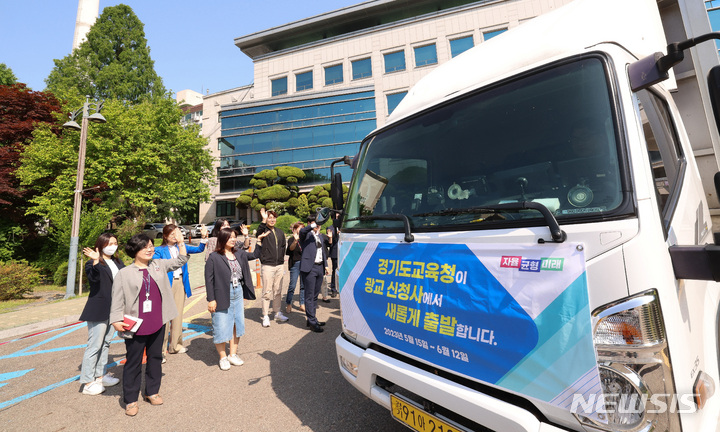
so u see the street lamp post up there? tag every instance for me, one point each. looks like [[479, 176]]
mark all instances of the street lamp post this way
[[75, 230]]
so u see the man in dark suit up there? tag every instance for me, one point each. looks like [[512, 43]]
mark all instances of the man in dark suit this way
[[312, 269]]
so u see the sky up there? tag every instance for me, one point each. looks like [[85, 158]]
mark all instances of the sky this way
[[191, 41]]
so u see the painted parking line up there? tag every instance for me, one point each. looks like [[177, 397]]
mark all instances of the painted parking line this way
[[190, 331]]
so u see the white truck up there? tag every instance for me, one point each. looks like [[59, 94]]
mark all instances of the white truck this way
[[526, 244]]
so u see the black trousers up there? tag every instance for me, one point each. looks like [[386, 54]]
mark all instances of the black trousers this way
[[313, 283], [132, 370], [332, 275]]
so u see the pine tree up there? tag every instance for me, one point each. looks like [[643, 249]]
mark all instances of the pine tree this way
[[113, 63]]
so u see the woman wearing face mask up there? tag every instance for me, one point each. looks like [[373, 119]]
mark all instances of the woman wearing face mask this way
[[101, 270]]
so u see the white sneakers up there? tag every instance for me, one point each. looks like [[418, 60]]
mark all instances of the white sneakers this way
[[279, 316], [224, 364], [93, 388], [235, 360], [98, 386], [109, 380]]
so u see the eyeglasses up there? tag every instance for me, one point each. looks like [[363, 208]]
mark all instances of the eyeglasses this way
[[149, 246]]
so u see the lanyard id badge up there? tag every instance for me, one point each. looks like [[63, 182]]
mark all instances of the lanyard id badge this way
[[147, 304]]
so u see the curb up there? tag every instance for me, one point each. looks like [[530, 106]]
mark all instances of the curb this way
[[39, 326]]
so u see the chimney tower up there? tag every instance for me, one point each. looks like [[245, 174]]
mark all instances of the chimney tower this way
[[88, 11]]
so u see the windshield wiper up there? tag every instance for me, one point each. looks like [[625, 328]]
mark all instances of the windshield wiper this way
[[409, 238], [558, 235]]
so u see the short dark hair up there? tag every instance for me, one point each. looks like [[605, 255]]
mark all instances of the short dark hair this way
[[311, 218], [272, 212], [137, 243], [223, 236]]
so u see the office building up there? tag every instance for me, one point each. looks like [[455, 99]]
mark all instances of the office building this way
[[323, 83]]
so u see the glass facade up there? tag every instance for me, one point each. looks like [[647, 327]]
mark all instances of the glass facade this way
[[395, 61], [492, 34], [279, 86], [713, 10], [361, 68], [308, 134], [460, 45], [334, 74], [304, 81], [393, 100], [425, 55]]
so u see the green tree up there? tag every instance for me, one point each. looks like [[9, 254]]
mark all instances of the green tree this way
[[113, 63], [140, 163], [7, 77], [273, 189]]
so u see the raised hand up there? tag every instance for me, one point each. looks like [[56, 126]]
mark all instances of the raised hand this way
[[264, 234], [92, 254], [203, 231], [244, 230], [263, 214]]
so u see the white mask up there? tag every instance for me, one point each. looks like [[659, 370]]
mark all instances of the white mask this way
[[109, 250]]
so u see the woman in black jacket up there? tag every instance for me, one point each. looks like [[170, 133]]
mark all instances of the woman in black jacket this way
[[101, 270], [227, 282]]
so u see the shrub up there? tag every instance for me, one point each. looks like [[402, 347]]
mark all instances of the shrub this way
[[60, 275], [302, 210], [258, 183], [273, 193], [288, 171], [267, 175], [243, 201], [285, 222], [16, 279]]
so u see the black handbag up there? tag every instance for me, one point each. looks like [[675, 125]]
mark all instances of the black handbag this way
[[248, 294]]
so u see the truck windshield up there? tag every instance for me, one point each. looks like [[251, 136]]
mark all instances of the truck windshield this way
[[548, 137]]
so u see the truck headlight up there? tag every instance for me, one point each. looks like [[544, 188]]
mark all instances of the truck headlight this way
[[634, 366]]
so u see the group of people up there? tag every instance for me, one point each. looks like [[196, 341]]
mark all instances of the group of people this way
[[308, 250], [144, 301]]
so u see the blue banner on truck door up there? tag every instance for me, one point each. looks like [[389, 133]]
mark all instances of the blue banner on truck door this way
[[513, 316]]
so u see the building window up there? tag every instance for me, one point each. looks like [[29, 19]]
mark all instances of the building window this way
[[395, 61], [225, 208], [425, 55], [393, 100], [361, 68], [491, 34], [460, 45], [279, 86], [304, 81], [334, 74]]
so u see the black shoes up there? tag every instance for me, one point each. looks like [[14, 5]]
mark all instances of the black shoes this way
[[319, 324], [316, 328]]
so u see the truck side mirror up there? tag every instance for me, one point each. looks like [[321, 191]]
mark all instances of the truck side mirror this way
[[323, 214], [336, 192], [713, 82]]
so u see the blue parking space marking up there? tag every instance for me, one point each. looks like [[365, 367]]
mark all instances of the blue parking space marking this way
[[191, 331]]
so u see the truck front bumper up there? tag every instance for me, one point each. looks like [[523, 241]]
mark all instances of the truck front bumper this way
[[478, 407]]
